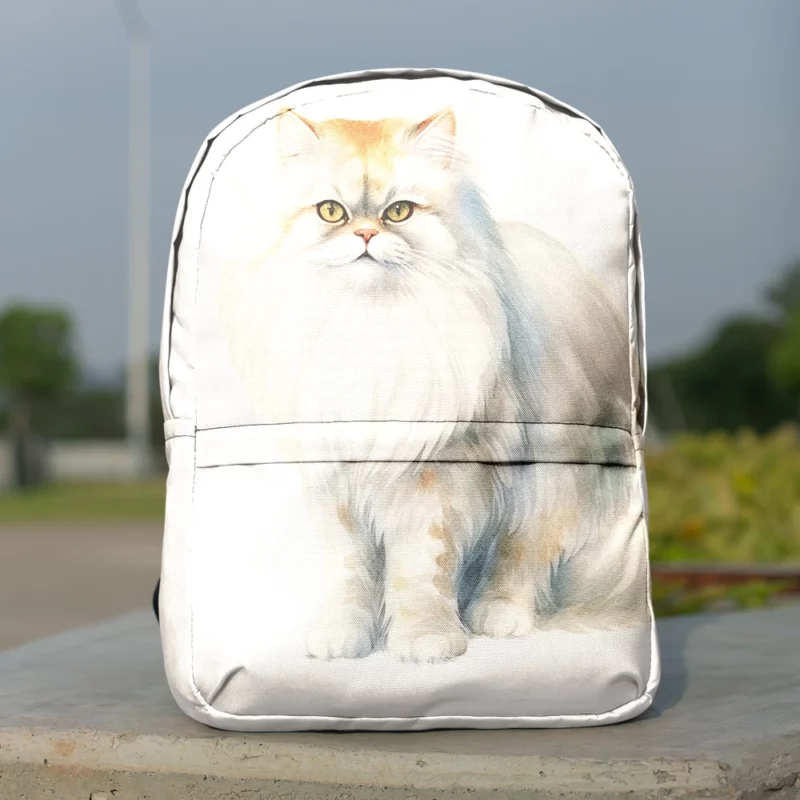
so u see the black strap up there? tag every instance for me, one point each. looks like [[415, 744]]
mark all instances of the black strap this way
[[155, 599]]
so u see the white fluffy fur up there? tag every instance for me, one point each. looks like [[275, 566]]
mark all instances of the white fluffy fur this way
[[453, 319]]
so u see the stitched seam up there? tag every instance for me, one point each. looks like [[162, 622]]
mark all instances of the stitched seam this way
[[523, 462], [409, 421], [526, 720], [190, 567], [633, 354], [173, 272], [640, 477]]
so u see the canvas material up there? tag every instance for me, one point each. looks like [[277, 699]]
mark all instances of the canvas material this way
[[406, 492]]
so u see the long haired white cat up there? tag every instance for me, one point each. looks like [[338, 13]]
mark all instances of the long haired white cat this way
[[392, 302]]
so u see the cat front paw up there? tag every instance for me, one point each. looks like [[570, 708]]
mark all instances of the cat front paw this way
[[501, 618], [426, 643], [348, 634]]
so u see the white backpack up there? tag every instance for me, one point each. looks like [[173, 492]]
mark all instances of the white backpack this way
[[403, 376]]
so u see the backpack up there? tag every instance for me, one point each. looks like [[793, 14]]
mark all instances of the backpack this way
[[403, 377]]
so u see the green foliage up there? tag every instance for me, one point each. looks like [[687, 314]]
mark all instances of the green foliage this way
[[36, 360], [784, 294], [37, 368], [726, 497], [784, 359], [725, 385], [95, 413], [746, 375], [92, 412]]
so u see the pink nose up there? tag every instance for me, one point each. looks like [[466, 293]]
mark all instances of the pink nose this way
[[366, 234]]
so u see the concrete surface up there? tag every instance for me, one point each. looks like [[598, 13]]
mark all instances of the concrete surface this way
[[58, 576], [87, 714]]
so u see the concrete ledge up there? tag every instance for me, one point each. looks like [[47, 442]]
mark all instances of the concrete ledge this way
[[88, 715]]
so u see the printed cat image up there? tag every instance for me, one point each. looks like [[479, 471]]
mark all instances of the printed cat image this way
[[392, 304]]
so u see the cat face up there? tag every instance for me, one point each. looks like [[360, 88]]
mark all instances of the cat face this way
[[368, 200]]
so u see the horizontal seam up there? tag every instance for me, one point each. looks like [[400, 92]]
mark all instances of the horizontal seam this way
[[493, 463], [409, 421], [587, 716]]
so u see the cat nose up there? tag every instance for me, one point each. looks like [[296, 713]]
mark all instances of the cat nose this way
[[366, 234]]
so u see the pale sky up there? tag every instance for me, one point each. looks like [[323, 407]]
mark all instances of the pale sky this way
[[702, 100]]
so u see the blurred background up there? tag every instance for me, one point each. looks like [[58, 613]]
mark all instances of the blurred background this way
[[105, 106]]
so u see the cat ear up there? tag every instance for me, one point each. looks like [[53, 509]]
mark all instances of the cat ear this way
[[296, 135], [435, 136]]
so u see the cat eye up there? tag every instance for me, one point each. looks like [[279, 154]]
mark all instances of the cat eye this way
[[399, 212], [331, 211]]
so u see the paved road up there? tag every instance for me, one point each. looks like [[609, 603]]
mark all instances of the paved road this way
[[59, 576]]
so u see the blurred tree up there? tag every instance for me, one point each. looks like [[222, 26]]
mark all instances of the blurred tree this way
[[784, 359], [727, 384], [746, 375], [95, 410], [86, 412], [37, 368], [784, 294]]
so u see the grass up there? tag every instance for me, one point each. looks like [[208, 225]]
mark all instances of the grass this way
[[85, 502], [731, 498], [724, 498]]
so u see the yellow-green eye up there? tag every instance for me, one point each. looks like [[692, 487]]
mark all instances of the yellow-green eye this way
[[399, 212], [331, 211]]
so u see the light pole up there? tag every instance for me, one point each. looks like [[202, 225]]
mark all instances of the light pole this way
[[137, 417]]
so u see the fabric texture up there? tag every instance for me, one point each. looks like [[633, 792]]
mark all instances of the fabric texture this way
[[404, 381]]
